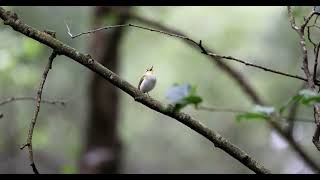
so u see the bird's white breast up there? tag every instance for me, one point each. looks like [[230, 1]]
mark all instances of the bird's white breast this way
[[148, 83]]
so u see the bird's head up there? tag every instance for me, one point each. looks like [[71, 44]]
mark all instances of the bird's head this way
[[150, 70]]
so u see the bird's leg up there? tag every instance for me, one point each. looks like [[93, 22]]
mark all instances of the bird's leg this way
[[140, 97], [137, 98]]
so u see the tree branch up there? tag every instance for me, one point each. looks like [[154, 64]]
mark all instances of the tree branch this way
[[315, 67], [36, 112], [220, 109], [203, 50], [235, 75], [12, 99], [63, 49], [92, 31], [260, 67]]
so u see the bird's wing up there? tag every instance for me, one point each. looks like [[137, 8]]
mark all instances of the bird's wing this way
[[142, 78]]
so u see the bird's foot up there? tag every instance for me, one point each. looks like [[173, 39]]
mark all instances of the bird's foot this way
[[137, 98]]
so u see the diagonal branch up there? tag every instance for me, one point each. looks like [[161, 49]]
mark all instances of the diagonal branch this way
[[235, 75], [63, 49], [36, 112]]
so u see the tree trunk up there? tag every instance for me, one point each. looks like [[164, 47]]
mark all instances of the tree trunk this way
[[102, 152]]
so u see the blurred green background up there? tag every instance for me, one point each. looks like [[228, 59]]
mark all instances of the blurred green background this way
[[154, 143]]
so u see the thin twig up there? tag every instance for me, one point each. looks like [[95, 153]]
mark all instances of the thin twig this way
[[259, 67], [36, 112], [92, 31], [12, 99], [220, 109], [289, 118], [307, 19], [315, 67], [292, 19], [200, 45], [113, 78]]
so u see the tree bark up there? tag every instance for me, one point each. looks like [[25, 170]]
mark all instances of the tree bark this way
[[102, 152]]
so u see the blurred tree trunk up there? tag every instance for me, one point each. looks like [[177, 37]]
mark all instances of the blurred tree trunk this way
[[102, 151]]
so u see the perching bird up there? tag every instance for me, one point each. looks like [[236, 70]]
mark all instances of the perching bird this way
[[147, 81]]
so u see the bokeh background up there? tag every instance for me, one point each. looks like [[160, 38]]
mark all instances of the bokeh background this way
[[152, 142]]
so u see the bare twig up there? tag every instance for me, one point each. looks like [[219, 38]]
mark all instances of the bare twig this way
[[292, 19], [113, 78], [259, 67], [200, 45], [220, 109], [92, 31], [36, 112], [305, 64], [315, 67], [307, 19], [315, 138], [12, 99], [289, 118]]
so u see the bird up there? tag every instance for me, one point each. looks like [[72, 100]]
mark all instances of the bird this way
[[147, 81]]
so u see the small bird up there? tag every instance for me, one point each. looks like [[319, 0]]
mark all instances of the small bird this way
[[147, 81]]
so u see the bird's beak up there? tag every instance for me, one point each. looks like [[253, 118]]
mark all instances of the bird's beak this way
[[151, 69]]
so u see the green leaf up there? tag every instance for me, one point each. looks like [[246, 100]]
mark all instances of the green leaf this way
[[309, 97], [193, 99], [179, 106], [183, 95], [305, 97], [251, 116], [310, 100]]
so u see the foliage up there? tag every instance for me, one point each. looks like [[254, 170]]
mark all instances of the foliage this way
[[183, 95], [305, 97]]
